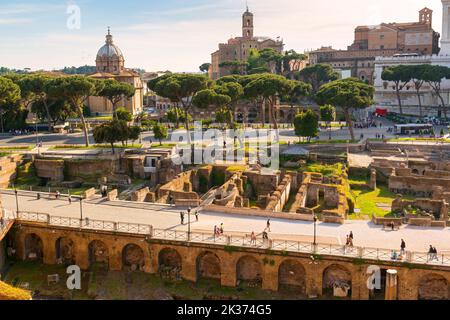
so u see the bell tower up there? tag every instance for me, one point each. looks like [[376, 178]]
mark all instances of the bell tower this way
[[247, 24], [426, 16]]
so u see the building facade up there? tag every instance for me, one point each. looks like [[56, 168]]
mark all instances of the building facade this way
[[383, 40], [110, 63], [385, 95], [239, 48]]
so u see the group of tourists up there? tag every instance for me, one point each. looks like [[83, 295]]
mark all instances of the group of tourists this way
[[218, 231], [433, 254], [182, 215]]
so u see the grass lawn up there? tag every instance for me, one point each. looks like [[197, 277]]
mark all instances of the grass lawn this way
[[366, 200], [19, 148]]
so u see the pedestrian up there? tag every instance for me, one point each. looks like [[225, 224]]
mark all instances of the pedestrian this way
[[253, 238], [347, 242], [2, 222], [268, 225], [431, 253], [58, 194], [221, 228], [182, 217], [215, 231], [402, 247], [435, 254], [70, 199], [196, 216], [351, 235]]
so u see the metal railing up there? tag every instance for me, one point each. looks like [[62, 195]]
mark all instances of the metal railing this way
[[234, 241]]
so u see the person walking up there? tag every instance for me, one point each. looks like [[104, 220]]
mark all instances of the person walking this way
[[402, 247], [431, 253], [182, 217], [435, 254], [268, 225], [196, 216], [351, 236], [70, 199], [215, 231], [253, 238], [221, 228]]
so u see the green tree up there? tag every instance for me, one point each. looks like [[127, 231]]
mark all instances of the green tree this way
[[9, 91], [400, 75], [433, 75], [76, 90], [160, 131], [205, 67], [123, 115], [115, 92], [269, 87], [110, 133], [9, 95], [224, 116], [317, 75], [346, 94], [181, 89], [328, 115], [306, 124], [417, 78]]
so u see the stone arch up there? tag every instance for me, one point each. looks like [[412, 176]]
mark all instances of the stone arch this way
[[292, 276], [133, 257], [98, 253], [169, 263], [336, 276], [433, 287], [64, 249], [208, 266], [248, 269], [415, 171], [34, 247]]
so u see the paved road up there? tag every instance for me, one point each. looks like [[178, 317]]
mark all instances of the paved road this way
[[161, 217], [78, 138]]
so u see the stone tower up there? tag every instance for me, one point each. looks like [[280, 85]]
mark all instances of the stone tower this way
[[445, 40], [247, 24], [426, 16]]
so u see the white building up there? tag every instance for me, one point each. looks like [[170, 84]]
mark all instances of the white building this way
[[385, 95]]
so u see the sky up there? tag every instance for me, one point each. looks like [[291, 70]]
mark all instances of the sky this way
[[180, 35]]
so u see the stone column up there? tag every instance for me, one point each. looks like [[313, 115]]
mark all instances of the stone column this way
[[373, 179], [228, 276], [189, 263], [115, 259], [49, 249], [82, 254], [313, 280], [270, 278], [445, 36], [391, 285]]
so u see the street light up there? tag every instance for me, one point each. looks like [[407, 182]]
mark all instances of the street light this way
[[189, 223], [81, 208], [315, 231], [17, 202]]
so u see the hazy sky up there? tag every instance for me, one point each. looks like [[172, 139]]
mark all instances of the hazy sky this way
[[179, 35]]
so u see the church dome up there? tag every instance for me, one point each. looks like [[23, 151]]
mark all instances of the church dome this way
[[109, 50]]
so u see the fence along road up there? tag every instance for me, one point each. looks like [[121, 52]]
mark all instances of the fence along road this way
[[235, 241]]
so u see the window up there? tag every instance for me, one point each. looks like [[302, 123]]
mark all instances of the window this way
[[381, 36], [382, 47]]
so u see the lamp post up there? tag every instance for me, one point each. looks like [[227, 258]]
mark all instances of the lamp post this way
[[189, 223], [315, 231], [81, 208], [17, 202]]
